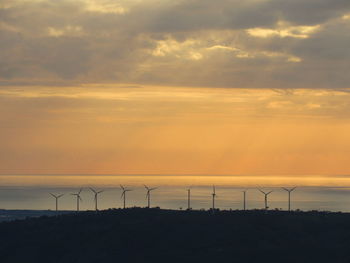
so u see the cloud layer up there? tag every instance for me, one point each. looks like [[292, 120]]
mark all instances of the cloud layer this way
[[224, 43]]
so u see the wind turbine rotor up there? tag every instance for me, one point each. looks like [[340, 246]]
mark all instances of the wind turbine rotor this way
[[262, 191]]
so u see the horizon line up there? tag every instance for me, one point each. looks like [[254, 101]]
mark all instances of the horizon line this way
[[135, 174]]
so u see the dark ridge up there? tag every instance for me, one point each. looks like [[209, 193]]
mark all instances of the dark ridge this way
[[156, 235]]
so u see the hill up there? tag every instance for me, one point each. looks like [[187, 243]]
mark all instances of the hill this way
[[155, 235]]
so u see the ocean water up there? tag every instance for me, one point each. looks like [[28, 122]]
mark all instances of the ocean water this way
[[312, 193]]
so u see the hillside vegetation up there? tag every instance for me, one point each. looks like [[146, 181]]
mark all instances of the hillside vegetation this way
[[155, 235]]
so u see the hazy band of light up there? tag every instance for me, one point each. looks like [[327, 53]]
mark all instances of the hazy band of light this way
[[120, 129]]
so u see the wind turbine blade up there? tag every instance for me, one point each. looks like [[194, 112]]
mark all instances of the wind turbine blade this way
[[53, 195], [100, 191], [269, 193], [262, 191], [285, 189], [81, 199], [146, 187], [81, 189], [60, 195], [123, 193], [121, 187], [293, 188], [92, 190], [154, 188]]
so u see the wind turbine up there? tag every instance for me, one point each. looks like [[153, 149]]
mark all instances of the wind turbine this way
[[244, 199], [189, 198], [96, 193], [266, 194], [289, 191], [213, 195], [78, 198], [148, 194], [124, 190], [56, 197]]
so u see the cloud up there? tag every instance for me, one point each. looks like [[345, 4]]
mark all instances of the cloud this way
[[67, 30], [285, 31], [105, 6], [225, 43]]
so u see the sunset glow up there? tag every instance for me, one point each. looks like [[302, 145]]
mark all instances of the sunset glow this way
[[168, 130], [174, 131], [175, 87]]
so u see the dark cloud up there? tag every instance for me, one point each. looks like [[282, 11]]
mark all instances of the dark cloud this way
[[309, 12], [66, 42], [232, 14], [332, 43]]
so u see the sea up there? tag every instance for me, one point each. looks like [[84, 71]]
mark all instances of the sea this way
[[32, 192]]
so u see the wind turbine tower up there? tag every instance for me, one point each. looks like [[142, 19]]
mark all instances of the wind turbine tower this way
[[266, 195], [289, 192], [124, 190], [56, 197], [244, 199], [189, 198], [148, 195], [213, 195], [96, 193], [78, 198]]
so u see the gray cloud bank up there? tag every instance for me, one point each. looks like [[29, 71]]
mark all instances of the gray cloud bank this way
[[224, 43]]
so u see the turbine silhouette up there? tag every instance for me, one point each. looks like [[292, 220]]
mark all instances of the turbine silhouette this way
[[78, 198], [213, 195], [244, 199], [96, 193], [124, 190], [189, 198], [57, 197], [266, 194], [148, 195], [289, 192]]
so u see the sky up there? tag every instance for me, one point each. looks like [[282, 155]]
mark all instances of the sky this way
[[198, 87]]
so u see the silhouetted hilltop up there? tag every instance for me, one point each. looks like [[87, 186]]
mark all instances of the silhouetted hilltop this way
[[155, 235]]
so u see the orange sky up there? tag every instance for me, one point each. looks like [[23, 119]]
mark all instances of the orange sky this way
[[167, 130], [228, 87]]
